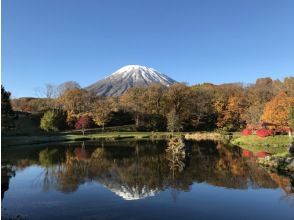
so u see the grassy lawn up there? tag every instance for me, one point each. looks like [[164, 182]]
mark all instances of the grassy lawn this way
[[274, 144], [60, 137]]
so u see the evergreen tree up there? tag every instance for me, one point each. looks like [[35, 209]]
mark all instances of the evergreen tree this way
[[6, 109]]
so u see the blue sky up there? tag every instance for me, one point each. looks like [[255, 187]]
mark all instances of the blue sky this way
[[52, 41]]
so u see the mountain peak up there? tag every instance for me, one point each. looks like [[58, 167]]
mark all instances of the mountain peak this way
[[131, 67], [126, 77]]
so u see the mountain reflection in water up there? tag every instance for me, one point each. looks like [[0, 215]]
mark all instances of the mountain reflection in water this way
[[135, 170], [139, 169]]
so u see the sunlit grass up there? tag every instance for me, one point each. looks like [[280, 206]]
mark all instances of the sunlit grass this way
[[273, 144]]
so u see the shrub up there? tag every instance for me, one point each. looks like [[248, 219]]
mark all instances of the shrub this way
[[262, 154], [52, 121], [247, 132], [247, 153], [264, 132]]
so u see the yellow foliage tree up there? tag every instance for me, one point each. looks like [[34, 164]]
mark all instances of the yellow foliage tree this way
[[277, 110], [101, 110]]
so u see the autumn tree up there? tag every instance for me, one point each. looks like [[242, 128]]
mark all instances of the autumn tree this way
[[101, 110], [230, 104], [132, 101], [253, 114], [288, 86], [84, 122], [202, 113], [178, 99], [152, 115], [71, 119], [264, 89], [30, 104], [153, 101], [76, 100], [277, 110], [291, 117], [53, 121], [173, 121]]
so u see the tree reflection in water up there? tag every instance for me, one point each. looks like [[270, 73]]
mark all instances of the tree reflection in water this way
[[176, 152], [136, 170]]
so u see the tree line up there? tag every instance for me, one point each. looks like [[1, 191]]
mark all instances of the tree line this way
[[226, 107]]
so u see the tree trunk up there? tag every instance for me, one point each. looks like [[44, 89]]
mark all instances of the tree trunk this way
[[137, 120]]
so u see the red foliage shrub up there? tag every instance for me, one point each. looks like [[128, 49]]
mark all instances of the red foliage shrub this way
[[262, 154], [84, 122], [247, 153], [247, 132], [264, 132]]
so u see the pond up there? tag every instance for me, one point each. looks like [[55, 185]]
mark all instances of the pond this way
[[138, 180]]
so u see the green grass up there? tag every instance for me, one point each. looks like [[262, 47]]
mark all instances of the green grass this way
[[274, 144], [122, 135], [27, 140]]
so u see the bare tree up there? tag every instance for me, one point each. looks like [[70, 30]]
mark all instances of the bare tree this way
[[66, 86], [49, 91]]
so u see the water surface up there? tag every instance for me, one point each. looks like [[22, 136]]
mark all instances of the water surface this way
[[137, 180]]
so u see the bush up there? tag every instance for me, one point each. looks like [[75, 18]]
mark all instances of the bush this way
[[262, 154], [264, 132], [247, 153], [247, 132], [53, 121]]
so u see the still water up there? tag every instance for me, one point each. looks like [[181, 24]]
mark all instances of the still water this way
[[138, 180]]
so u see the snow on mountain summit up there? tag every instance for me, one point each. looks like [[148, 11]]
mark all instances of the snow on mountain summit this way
[[126, 77]]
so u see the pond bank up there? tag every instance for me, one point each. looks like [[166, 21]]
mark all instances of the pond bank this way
[[278, 163], [278, 146]]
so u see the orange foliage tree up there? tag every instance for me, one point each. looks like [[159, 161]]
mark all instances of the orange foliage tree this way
[[277, 110], [231, 112]]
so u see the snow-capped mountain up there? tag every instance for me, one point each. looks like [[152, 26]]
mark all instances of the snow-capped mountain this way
[[126, 77]]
